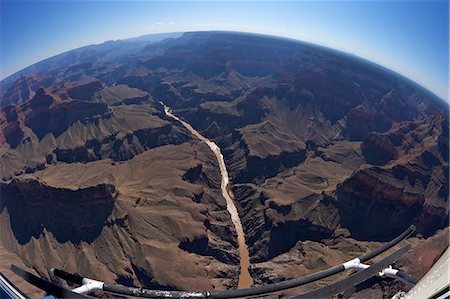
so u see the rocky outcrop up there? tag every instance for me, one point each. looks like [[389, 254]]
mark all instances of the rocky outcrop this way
[[23, 88], [197, 175], [273, 228], [202, 246], [408, 139], [85, 91], [42, 99], [360, 122], [411, 188], [258, 169], [378, 150], [58, 119], [123, 148], [364, 199], [13, 134], [69, 215]]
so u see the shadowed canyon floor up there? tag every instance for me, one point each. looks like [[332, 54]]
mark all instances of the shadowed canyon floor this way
[[327, 156]]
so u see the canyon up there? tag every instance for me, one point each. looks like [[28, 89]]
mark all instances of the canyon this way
[[323, 155], [245, 280]]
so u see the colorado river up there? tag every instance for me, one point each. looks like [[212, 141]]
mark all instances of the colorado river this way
[[245, 279]]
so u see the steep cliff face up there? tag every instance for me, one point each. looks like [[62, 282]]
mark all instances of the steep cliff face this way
[[364, 199], [69, 215], [23, 89], [85, 91], [290, 208], [411, 187]]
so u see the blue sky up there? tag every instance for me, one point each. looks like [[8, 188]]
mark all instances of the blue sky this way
[[409, 37]]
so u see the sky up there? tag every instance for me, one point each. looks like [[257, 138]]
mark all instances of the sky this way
[[409, 37]]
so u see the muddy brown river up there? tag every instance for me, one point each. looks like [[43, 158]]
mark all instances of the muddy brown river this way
[[245, 279]]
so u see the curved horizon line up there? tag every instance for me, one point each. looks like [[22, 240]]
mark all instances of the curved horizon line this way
[[292, 39]]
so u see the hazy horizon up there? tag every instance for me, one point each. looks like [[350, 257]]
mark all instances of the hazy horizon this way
[[407, 37]]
